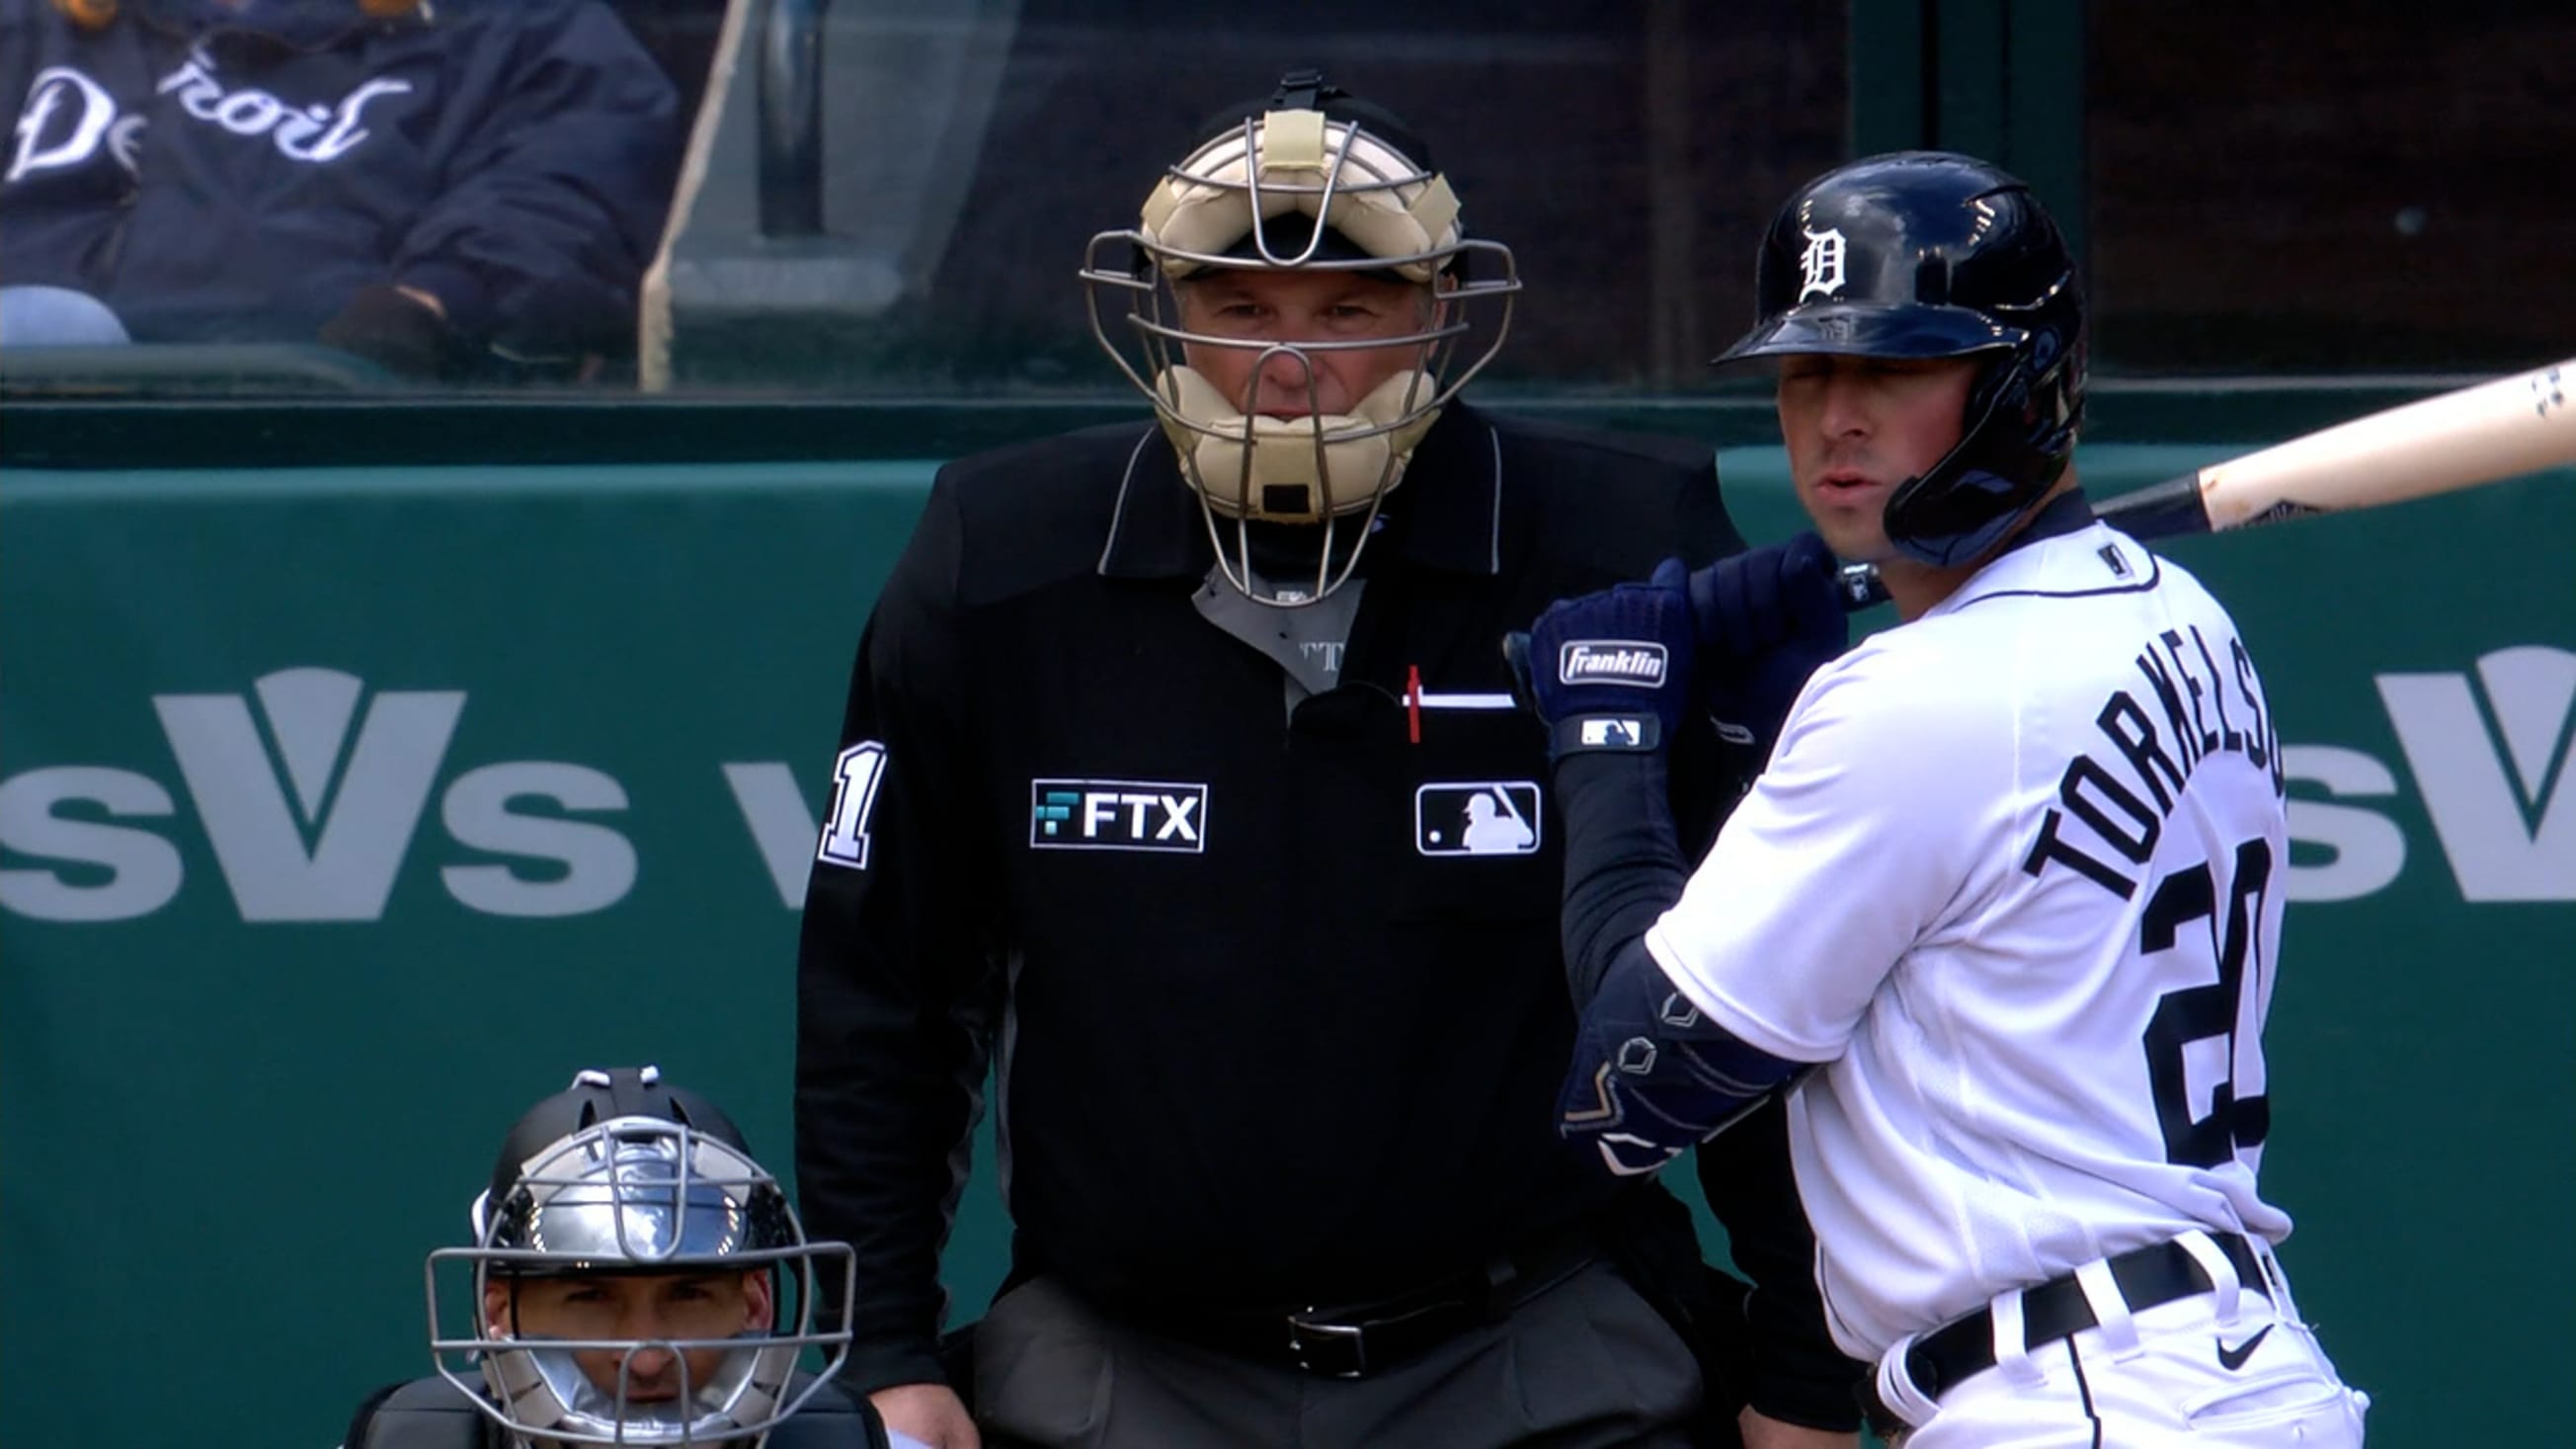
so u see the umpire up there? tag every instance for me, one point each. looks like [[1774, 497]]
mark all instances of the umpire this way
[[1180, 781]]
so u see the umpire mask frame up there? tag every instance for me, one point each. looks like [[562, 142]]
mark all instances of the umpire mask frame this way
[[1308, 186]]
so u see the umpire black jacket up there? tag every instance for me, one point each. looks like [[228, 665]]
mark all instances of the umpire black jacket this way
[[1265, 1038]]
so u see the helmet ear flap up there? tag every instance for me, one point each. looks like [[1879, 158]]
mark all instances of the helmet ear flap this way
[[1963, 505], [2002, 392]]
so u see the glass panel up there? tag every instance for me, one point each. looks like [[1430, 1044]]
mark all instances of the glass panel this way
[[336, 195], [1629, 154], [2333, 186], [269, 218]]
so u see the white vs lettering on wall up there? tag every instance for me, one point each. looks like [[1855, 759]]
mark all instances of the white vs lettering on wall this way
[[310, 795]]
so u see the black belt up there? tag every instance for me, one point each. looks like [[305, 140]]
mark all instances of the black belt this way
[[1354, 1340], [1963, 1348]]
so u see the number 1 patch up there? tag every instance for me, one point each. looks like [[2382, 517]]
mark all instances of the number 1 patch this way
[[855, 777]]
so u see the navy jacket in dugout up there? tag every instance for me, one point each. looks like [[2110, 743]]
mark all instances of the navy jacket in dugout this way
[[223, 175]]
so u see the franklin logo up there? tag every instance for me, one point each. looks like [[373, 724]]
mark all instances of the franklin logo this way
[[1610, 661], [1117, 815], [1821, 264], [1476, 817]]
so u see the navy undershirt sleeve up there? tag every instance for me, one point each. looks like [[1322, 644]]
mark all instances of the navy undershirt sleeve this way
[[1652, 1076]]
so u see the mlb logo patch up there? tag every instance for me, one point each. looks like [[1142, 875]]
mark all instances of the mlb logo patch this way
[[1153, 815], [1634, 662], [1613, 734], [1477, 817]]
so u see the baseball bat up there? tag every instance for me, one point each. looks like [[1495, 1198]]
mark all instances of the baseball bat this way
[[2494, 430]]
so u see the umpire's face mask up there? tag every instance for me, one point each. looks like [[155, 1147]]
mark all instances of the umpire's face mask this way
[[1306, 423]]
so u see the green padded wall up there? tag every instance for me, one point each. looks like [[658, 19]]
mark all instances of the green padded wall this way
[[344, 811]]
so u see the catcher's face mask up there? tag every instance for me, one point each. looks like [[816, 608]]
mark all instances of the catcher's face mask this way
[[639, 1282], [650, 1310], [1242, 259]]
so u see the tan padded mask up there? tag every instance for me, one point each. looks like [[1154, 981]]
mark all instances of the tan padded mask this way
[[1266, 469], [1380, 201]]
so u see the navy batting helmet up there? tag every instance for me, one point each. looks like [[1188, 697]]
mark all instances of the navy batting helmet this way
[[1930, 254]]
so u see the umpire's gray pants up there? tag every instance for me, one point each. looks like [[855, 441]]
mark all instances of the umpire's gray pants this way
[[1588, 1362]]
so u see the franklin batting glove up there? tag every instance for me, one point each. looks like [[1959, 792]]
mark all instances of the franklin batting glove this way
[[1612, 670]]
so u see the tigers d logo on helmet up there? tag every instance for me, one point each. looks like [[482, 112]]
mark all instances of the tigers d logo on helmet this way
[[1821, 264]]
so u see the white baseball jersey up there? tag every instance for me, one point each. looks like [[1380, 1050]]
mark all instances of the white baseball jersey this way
[[2015, 873]]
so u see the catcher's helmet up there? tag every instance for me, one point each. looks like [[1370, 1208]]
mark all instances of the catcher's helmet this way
[[622, 1174], [1932, 254], [1310, 178]]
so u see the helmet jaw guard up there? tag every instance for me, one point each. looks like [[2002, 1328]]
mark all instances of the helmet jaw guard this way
[[1317, 182], [2018, 439], [642, 1194], [1927, 254]]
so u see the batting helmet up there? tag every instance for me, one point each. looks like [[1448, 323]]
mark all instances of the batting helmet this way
[[1924, 254], [623, 1174]]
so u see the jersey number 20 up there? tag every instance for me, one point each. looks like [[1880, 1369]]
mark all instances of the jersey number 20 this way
[[2200, 1013]]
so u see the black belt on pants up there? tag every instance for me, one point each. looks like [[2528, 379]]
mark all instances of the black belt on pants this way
[[1963, 1348], [1354, 1340]]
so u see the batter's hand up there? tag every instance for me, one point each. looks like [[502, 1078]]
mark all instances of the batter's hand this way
[[1612, 670], [1767, 618], [931, 1413]]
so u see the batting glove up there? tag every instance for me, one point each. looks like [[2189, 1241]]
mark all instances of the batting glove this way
[[1766, 619], [1612, 670]]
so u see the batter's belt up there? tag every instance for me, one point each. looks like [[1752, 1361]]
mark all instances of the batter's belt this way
[[1965, 1347]]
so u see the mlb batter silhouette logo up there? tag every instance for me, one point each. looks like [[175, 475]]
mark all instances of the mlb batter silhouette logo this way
[[1477, 817]]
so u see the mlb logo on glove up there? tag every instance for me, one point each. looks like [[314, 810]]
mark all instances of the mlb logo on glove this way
[[1616, 734]]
